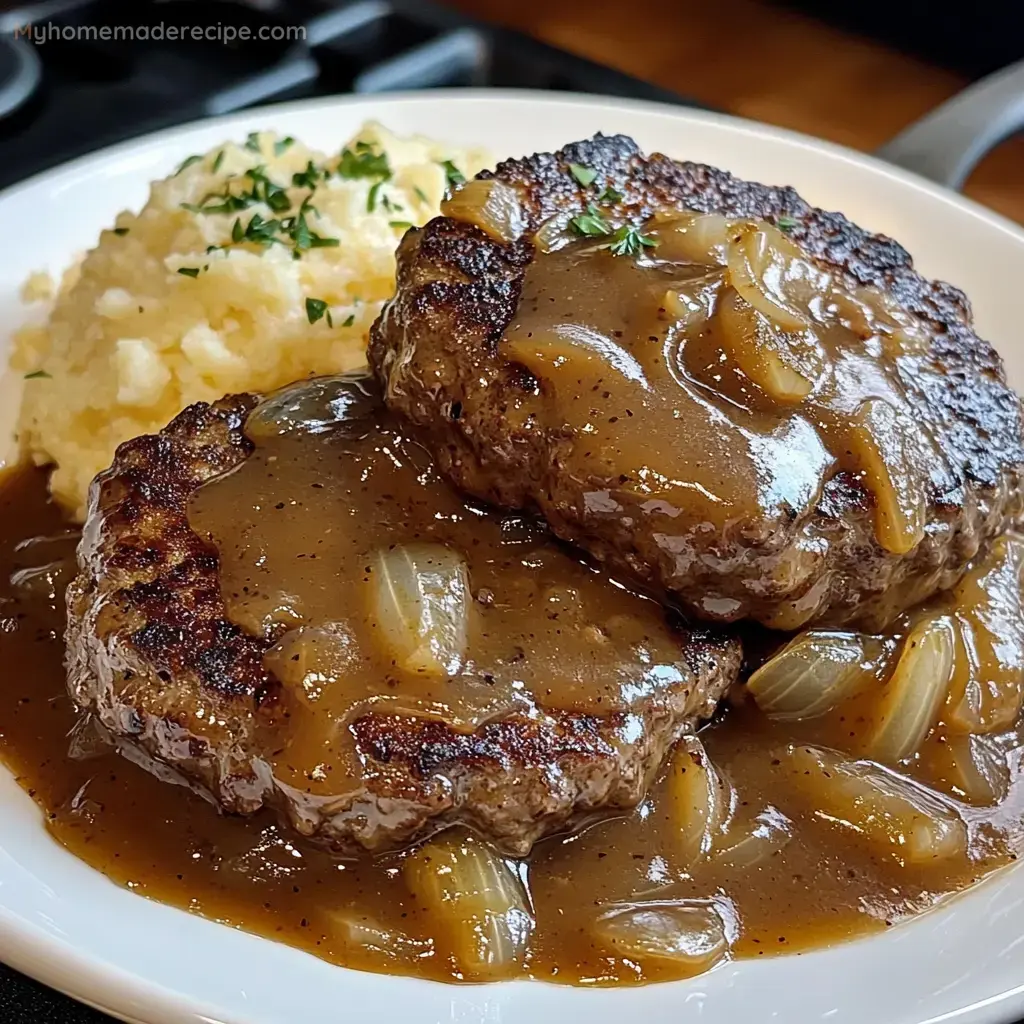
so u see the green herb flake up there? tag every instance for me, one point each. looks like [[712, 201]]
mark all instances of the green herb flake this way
[[363, 162], [218, 160], [452, 174], [258, 231], [584, 175], [252, 142], [315, 310], [628, 241], [349, 320], [121, 231], [283, 144], [38, 375], [371, 196], [189, 271], [187, 162], [785, 223], [420, 194], [610, 195], [402, 225], [278, 200], [307, 178], [590, 224]]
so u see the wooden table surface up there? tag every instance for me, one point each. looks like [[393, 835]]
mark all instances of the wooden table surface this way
[[759, 61]]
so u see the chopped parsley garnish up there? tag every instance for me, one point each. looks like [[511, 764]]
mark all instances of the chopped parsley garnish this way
[[38, 375], [258, 231], [282, 144], [628, 241], [349, 320], [420, 194], [266, 191], [307, 178], [590, 224], [218, 160], [371, 196], [363, 162], [610, 195], [402, 225], [228, 203], [189, 271], [187, 162], [301, 235], [452, 174], [786, 223], [121, 231], [316, 309], [252, 142], [390, 205], [584, 175], [293, 232]]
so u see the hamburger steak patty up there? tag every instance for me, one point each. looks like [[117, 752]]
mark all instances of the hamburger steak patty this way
[[868, 500], [155, 656]]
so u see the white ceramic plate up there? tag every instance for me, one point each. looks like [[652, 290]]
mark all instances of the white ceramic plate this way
[[68, 926]]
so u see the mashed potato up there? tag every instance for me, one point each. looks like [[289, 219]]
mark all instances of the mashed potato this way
[[254, 265]]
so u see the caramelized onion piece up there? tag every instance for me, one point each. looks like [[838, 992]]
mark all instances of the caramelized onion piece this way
[[688, 933], [898, 817], [886, 446], [422, 605], [816, 671], [477, 901], [989, 682], [697, 800], [691, 304], [915, 691], [691, 237], [753, 843], [491, 205], [553, 233], [772, 275], [785, 366], [972, 768]]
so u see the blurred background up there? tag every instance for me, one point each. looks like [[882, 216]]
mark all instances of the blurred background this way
[[852, 73]]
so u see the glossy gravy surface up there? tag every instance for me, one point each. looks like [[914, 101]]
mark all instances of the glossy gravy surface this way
[[322, 534], [821, 880], [722, 375]]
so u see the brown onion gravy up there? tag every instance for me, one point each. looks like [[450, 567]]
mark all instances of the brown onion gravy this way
[[724, 377], [826, 884]]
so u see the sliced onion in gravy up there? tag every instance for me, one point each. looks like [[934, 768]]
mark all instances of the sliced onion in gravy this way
[[816, 671], [895, 815], [887, 447], [422, 606], [689, 933], [785, 366], [697, 800], [493, 206], [772, 275], [914, 693], [477, 900]]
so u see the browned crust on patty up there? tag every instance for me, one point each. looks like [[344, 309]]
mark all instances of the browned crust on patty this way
[[437, 348], [153, 655]]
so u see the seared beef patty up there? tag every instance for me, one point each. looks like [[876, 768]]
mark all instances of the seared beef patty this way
[[289, 608], [712, 386]]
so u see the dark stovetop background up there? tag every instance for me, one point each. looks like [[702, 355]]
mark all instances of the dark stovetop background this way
[[93, 93]]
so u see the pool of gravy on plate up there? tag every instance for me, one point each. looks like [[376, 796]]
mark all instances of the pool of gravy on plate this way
[[820, 886]]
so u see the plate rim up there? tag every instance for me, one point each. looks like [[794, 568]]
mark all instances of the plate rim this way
[[114, 990]]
